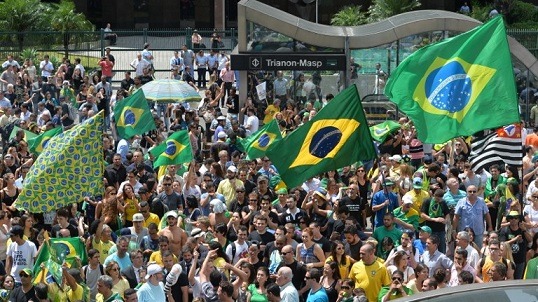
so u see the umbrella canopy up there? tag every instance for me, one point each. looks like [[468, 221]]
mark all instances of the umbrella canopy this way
[[170, 91]]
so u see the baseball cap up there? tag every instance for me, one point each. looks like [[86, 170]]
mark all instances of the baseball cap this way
[[513, 214], [171, 213], [27, 271], [197, 233], [153, 269], [221, 118], [16, 230], [428, 160], [222, 134], [426, 229], [282, 191], [138, 217], [126, 232], [407, 199], [396, 157], [388, 182], [417, 183], [232, 169]]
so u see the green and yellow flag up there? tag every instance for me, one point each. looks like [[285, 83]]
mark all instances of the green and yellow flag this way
[[175, 150], [257, 144], [337, 136], [69, 168], [27, 134], [459, 86], [380, 132], [37, 144], [133, 116], [54, 252]]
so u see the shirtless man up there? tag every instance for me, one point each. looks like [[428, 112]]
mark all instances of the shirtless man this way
[[175, 234]]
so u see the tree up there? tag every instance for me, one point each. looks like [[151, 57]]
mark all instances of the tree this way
[[22, 16], [65, 20], [349, 16], [383, 9]]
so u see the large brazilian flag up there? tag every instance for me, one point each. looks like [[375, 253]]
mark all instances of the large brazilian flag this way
[[337, 136], [459, 86]]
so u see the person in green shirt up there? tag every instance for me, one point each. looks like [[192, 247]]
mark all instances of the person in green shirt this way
[[388, 229], [405, 216], [395, 290], [531, 271]]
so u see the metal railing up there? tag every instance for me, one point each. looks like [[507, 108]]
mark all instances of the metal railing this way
[[89, 46]]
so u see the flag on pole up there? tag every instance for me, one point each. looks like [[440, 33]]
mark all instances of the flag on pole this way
[[175, 150], [459, 86], [69, 168], [54, 253], [503, 145], [380, 132], [337, 136], [37, 144], [133, 116], [257, 144]]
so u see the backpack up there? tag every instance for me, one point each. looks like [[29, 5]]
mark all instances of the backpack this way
[[234, 249]]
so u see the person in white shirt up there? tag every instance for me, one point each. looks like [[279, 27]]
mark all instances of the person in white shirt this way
[[288, 293], [46, 68], [241, 246], [80, 67], [139, 65], [252, 123]]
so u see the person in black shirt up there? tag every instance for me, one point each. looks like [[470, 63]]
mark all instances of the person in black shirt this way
[[25, 292], [127, 82], [517, 237], [355, 204]]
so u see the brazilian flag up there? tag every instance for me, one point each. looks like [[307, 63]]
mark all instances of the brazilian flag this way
[[27, 134], [459, 86], [175, 150], [133, 116], [257, 144], [380, 132], [54, 253], [37, 144], [337, 136]]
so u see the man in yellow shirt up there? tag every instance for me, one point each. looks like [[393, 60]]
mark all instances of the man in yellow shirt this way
[[369, 274], [164, 249], [148, 216], [270, 111]]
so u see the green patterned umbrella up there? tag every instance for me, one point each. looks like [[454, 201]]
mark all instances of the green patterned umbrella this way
[[170, 91]]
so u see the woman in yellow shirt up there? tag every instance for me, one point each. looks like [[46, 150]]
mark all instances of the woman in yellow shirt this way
[[130, 204], [339, 256]]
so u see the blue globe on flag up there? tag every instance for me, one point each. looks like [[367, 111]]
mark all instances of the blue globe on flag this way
[[449, 87]]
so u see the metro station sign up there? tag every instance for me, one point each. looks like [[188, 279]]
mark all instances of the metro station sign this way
[[318, 61]]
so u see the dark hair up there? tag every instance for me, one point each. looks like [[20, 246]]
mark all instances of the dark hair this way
[[351, 229], [92, 253], [334, 266], [215, 245], [41, 290], [273, 289], [439, 275], [462, 252], [335, 244], [466, 277], [191, 201], [215, 277], [266, 271], [315, 274], [434, 239], [221, 228], [252, 269], [227, 288]]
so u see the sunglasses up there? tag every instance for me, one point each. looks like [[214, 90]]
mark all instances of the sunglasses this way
[[471, 192], [396, 279]]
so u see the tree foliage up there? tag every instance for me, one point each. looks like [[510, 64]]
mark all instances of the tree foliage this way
[[349, 16], [22, 16], [383, 9]]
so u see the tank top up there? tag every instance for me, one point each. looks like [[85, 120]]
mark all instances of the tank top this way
[[331, 291], [307, 254], [9, 200]]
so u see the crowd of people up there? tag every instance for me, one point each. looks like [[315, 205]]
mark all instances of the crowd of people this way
[[223, 228]]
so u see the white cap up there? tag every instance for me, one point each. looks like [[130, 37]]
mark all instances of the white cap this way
[[232, 169], [222, 134], [407, 199], [153, 269], [396, 157]]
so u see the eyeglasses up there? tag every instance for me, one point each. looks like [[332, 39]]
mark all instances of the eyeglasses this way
[[167, 185], [471, 192], [114, 269], [535, 197], [360, 171], [396, 279], [284, 253], [24, 275]]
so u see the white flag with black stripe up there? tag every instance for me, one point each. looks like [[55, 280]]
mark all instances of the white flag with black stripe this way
[[503, 145]]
